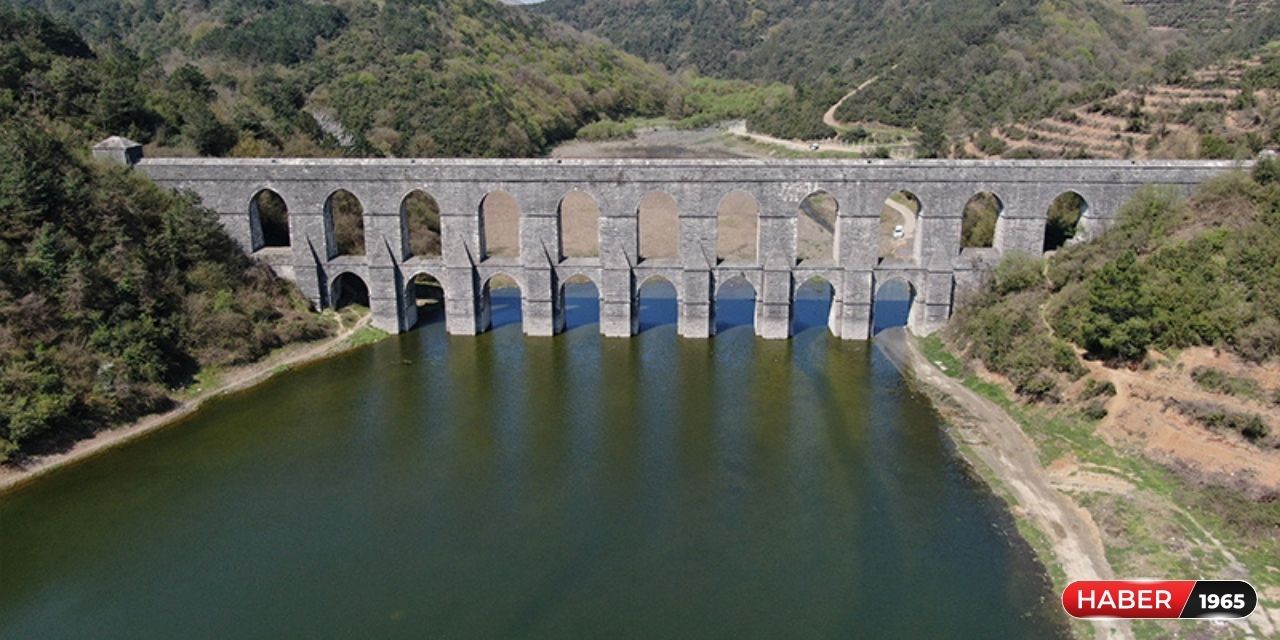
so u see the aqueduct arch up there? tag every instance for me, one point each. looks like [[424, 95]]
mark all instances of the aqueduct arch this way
[[938, 268]]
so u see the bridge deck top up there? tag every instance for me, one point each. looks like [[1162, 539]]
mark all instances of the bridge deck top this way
[[698, 162], [633, 171]]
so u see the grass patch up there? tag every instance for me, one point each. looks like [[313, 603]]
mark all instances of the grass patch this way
[[351, 314], [366, 335], [210, 377], [1219, 381], [936, 351], [607, 129]]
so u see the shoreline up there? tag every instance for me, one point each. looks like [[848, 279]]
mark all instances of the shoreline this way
[[993, 444], [235, 379]]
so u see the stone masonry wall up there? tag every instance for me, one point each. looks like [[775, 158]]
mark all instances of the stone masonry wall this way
[[938, 271]]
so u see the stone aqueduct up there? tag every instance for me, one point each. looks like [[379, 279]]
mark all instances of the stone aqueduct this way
[[939, 271]]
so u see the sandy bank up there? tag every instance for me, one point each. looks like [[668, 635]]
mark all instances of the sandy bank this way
[[990, 438]]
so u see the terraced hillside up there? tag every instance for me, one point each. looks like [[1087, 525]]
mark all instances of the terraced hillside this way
[[1215, 112], [1203, 15]]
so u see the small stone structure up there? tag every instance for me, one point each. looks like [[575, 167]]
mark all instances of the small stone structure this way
[[118, 149], [939, 271]]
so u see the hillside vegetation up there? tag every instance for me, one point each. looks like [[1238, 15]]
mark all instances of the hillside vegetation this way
[[113, 292], [403, 77], [1170, 274], [960, 64], [1204, 16], [1145, 366], [1223, 111], [1015, 78]]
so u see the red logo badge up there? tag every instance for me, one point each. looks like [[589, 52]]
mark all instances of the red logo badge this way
[[1159, 599]]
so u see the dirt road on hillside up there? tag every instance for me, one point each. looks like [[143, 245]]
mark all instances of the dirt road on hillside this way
[[829, 118]]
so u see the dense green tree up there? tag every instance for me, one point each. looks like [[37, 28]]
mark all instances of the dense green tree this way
[[1118, 319], [280, 32], [933, 140]]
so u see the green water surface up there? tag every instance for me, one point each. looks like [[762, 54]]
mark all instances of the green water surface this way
[[501, 486]]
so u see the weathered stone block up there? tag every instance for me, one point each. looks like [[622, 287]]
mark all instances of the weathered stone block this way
[[696, 320], [773, 320]]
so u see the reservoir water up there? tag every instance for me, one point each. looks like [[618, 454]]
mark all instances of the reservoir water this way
[[503, 486]]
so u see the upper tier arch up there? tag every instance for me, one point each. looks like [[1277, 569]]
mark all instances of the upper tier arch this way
[[938, 268]]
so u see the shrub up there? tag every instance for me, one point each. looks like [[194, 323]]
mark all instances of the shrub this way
[[1219, 381], [1216, 148], [1065, 360], [1259, 340], [1024, 153], [989, 144], [1014, 133], [855, 136], [1040, 387], [1017, 272], [1096, 409], [1267, 171], [1213, 416], [1146, 220], [1095, 389], [607, 130]]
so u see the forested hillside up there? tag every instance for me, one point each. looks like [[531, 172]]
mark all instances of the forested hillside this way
[[404, 77], [113, 292], [1145, 367], [1019, 78], [961, 63]]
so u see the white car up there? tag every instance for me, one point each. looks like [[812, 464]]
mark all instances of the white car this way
[[898, 232]]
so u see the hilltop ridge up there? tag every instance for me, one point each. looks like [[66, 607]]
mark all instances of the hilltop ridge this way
[[404, 77]]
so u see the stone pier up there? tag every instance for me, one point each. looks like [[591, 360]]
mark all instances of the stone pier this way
[[938, 271]]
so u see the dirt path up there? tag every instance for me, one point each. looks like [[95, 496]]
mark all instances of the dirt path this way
[[723, 140], [829, 118], [232, 380], [1000, 444], [908, 216], [739, 128]]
